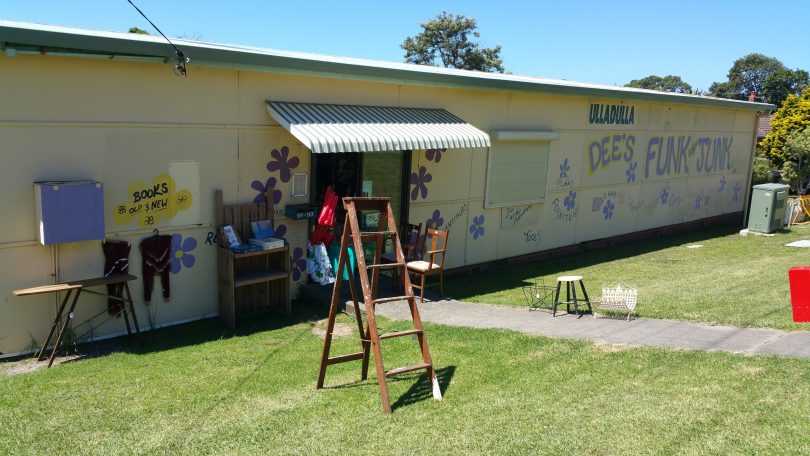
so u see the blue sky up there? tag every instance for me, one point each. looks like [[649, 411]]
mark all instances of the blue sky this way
[[601, 42]]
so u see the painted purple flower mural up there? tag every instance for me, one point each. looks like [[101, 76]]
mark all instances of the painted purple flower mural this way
[[608, 209], [477, 227], [283, 163], [631, 171], [419, 181], [564, 168], [722, 183], [736, 193], [281, 230], [664, 195], [435, 221], [698, 201], [265, 189], [298, 263], [180, 252], [435, 154], [570, 201]]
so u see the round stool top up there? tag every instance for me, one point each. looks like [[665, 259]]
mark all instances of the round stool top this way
[[569, 278]]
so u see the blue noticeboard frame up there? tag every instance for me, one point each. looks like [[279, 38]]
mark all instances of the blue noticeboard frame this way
[[69, 211]]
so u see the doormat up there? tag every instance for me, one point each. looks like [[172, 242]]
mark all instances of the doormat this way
[[802, 243]]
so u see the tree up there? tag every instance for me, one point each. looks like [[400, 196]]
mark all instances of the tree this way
[[766, 76], [797, 150], [138, 31], [792, 117], [668, 83], [445, 40], [783, 82]]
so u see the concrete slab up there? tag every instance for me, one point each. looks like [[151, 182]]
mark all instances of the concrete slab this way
[[640, 331]]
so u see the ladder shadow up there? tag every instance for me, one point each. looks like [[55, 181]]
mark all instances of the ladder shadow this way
[[422, 389]]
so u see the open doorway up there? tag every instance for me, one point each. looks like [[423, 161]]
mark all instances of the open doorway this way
[[362, 174]]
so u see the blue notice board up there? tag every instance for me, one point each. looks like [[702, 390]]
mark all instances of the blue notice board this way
[[69, 211]]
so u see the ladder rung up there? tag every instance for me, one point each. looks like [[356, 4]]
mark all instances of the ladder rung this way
[[367, 234], [344, 358], [385, 265], [393, 299], [393, 334], [402, 370]]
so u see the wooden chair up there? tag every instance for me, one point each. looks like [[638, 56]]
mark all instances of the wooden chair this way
[[423, 269], [411, 247]]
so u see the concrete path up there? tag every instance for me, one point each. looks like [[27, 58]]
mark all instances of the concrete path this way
[[640, 331]]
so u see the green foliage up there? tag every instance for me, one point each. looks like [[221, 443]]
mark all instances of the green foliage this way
[[761, 173], [783, 82], [766, 76], [792, 117], [445, 40], [669, 83], [138, 31]]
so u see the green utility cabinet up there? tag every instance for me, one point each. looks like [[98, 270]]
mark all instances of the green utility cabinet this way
[[768, 205]]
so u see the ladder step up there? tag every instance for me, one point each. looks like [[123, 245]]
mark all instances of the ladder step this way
[[393, 334], [374, 234], [392, 299], [344, 358], [402, 370], [385, 265]]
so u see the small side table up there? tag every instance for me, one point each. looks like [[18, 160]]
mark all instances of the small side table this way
[[571, 292]]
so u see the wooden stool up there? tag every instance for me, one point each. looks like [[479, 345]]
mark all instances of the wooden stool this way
[[570, 292]]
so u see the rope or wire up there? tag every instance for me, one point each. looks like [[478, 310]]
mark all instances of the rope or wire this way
[[182, 60]]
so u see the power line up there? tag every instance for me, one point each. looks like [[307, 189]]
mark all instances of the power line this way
[[180, 68]]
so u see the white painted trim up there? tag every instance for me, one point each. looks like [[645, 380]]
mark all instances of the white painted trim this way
[[525, 135]]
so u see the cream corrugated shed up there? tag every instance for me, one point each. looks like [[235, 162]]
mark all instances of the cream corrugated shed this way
[[330, 128]]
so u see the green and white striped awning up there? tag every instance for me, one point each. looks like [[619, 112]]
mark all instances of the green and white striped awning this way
[[329, 128]]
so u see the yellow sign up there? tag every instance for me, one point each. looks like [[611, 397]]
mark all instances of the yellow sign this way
[[149, 203]]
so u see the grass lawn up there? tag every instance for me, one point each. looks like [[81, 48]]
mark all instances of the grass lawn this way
[[732, 280], [200, 389]]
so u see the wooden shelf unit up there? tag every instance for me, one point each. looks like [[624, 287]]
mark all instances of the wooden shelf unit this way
[[254, 282]]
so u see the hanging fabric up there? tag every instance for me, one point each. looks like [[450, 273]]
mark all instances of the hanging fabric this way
[[156, 256], [116, 261]]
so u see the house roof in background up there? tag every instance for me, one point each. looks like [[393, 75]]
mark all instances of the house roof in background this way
[[66, 41]]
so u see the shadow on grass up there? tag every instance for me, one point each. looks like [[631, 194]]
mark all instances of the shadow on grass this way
[[422, 389], [197, 332], [507, 276]]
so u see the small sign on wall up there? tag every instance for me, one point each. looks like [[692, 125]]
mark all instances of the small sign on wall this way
[[69, 211], [519, 216]]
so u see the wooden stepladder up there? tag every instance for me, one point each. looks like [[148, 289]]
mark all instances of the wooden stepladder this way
[[370, 338]]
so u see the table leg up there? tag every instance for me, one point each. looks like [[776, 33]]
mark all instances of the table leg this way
[[41, 352], [568, 297], [64, 325], [574, 294], [126, 317], [132, 310], [556, 299], [587, 300]]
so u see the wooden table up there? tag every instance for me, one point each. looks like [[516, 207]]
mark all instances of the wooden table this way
[[82, 286]]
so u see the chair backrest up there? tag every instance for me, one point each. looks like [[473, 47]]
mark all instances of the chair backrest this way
[[412, 245], [437, 240]]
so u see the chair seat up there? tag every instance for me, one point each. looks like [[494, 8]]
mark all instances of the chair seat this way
[[423, 266]]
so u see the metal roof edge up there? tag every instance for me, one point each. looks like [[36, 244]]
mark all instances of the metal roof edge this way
[[267, 60]]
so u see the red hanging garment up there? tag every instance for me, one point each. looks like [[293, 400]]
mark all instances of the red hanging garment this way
[[330, 200]]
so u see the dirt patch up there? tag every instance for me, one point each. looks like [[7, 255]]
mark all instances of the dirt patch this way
[[341, 330], [612, 348], [29, 365]]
